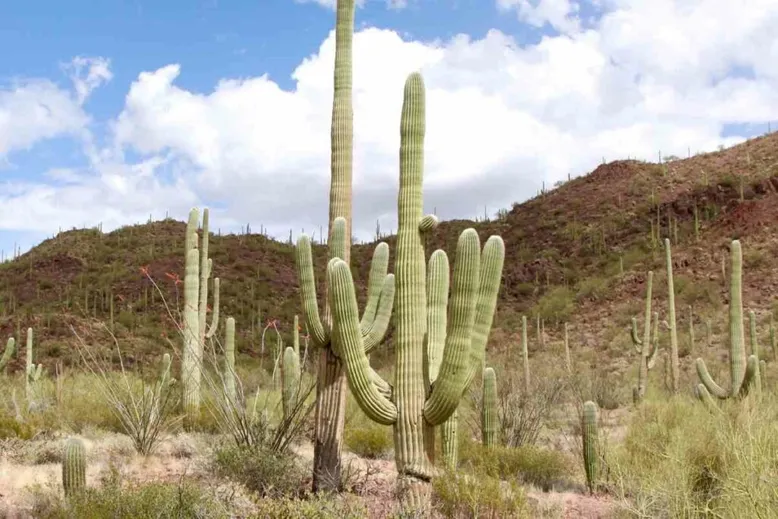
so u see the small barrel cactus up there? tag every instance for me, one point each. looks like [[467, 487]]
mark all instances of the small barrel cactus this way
[[74, 467]]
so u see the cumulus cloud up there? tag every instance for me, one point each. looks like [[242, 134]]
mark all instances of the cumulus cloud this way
[[502, 119], [559, 14]]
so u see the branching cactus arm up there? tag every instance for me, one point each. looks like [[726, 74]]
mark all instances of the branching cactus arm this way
[[346, 332]]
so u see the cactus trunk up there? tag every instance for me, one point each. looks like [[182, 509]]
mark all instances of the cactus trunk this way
[[489, 409], [590, 441], [675, 382], [74, 467]]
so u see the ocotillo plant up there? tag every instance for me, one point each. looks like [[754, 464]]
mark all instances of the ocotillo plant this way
[[10, 347], [742, 370], [330, 388], [74, 467], [420, 401], [645, 347], [197, 272], [590, 437], [489, 409], [675, 382]]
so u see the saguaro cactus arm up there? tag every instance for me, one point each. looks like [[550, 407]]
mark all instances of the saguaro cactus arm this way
[[454, 367], [346, 331], [10, 347], [740, 367]]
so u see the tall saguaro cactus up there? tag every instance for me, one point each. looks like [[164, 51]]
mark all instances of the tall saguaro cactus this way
[[197, 272], [330, 385], [742, 369], [645, 347], [426, 328], [675, 374]]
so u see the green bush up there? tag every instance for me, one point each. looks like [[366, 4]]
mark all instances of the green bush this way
[[369, 440], [267, 473], [530, 464], [466, 495], [314, 507]]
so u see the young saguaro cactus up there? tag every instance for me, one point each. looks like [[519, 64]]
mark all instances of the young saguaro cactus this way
[[32, 371], [675, 374], [74, 467], [290, 380], [228, 371], [489, 409], [421, 399], [742, 369], [590, 437], [198, 268], [10, 347], [645, 347]]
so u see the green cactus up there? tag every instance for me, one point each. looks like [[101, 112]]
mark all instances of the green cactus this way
[[773, 342], [675, 374], [525, 353], [74, 467], [568, 360], [449, 432], [32, 371], [290, 380], [197, 273], [590, 443], [296, 336], [742, 369], [419, 401], [10, 347], [489, 424], [646, 348], [228, 371], [757, 382]]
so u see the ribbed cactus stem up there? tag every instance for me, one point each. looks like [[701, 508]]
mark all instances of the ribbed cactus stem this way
[[450, 442], [525, 354], [229, 360], [674, 367], [742, 369], [644, 346], [568, 359], [10, 347], [192, 354], [296, 336], [489, 409], [757, 380], [290, 375], [32, 371], [74, 467], [416, 406], [590, 436]]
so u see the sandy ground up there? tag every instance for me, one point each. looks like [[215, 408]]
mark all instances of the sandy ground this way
[[26, 464]]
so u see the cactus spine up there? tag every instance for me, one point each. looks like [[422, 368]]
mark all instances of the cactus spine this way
[[675, 382], [74, 467], [489, 409], [10, 347], [645, 347], [197, 272], [415, 405], [742, 369], [590, 441]]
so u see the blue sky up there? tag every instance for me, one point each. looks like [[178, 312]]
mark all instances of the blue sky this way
[[214, 40]]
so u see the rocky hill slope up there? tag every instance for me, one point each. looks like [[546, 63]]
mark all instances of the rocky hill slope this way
[[577, 254]]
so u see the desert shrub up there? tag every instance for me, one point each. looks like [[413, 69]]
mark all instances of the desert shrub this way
[[369, 439], [593, 289], [313, 507], [522, 415], [679, 459], [557, 304], [263, 471], [140, 501], [533, 465], [468, 495]]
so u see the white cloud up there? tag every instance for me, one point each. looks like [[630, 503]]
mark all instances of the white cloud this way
[[87, 74], [559, 14], [501, 120]]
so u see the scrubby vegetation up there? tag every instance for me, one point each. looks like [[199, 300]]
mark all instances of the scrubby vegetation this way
[[567, 361]]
